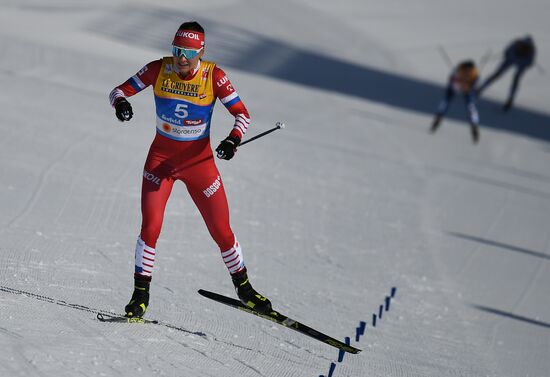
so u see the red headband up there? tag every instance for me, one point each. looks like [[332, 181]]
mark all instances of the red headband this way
[[189, 39]]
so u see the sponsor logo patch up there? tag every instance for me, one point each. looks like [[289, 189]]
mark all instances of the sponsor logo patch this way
[[181, 88], [211, 190], [221, 81], [151, 177], [187, 34], [192, 122], [185, 131]]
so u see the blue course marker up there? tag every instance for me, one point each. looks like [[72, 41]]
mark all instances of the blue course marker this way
[[360, 330], [331, 370], [341, 356], [341, 353]]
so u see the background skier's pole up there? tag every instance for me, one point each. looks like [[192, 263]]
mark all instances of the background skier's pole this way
[[445, 56]]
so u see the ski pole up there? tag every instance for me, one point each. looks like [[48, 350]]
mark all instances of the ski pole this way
[[278, 125], [445, 56], [484, 59]]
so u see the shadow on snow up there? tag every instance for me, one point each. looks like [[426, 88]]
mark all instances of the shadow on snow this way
[[254, 53], [511, 315], [501, 245]]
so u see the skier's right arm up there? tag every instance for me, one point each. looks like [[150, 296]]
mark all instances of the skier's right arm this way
[[135, 84]]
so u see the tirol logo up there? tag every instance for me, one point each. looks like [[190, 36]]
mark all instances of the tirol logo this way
[[211, 190], [166, 127], [151, 177], [187, 34], [192, 122]]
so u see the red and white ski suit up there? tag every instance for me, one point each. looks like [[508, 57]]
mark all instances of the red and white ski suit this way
[[181, 151]]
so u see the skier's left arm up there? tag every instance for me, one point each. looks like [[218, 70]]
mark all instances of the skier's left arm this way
[[224, 90]]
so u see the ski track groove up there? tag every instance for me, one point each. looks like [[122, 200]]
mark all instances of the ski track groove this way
[[256, 371], [103, 255], [202, 353], [430, 217], [490, 228], [67, 198], [113, 198], [18, 258], [105, 208], [42, 180], [57, 54], [283, 339], [28, 362], [523, 296], [75, 177]]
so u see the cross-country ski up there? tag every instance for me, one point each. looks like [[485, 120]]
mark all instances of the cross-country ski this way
[[282, 320]]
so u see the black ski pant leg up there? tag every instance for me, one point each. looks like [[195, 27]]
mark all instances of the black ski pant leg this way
[[515, 83], [500, 70], [470, 102], [446, 101]]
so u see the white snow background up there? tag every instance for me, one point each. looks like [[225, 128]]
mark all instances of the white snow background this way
[[352, 198]]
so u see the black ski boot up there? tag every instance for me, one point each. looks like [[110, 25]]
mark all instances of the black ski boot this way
[[248, 295], [435, 124], [475, 132], [507, 106], [140, 298]]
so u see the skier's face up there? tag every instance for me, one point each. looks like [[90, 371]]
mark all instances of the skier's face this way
[[186, 60]]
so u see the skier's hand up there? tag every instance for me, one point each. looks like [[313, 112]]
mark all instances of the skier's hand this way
[[123, 110], [227, 148]]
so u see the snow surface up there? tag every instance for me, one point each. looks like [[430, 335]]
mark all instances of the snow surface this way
[[352, 198]]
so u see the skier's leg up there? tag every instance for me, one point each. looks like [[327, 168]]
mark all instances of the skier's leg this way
[[154, 195], [208, 194], [205, 186], [442, 108], [498, 72], [207, 191], [470, 101], [514, 87], [155, 190]]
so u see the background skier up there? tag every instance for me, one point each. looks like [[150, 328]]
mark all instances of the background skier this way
[[520, 54], [462, 80]]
